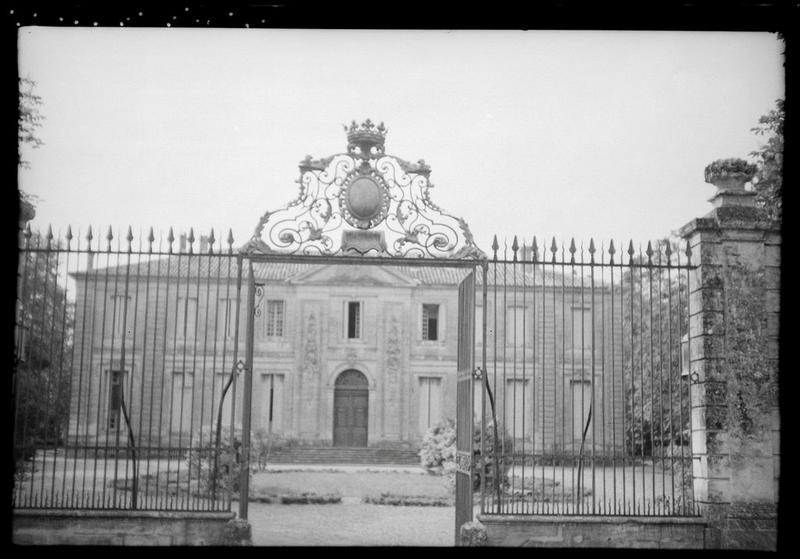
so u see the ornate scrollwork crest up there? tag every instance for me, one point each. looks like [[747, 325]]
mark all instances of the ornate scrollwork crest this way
[[364, 192]]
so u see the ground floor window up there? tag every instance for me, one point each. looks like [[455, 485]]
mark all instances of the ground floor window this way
[[271, 403], [116, 385], [581, 401], [430, 402], [182, 402], [518, 407]]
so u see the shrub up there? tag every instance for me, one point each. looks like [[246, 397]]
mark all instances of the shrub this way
[[201, 460], [438, 450], [505, 448], [439, 445]]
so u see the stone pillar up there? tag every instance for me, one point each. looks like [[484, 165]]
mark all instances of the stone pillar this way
[[733, 330]]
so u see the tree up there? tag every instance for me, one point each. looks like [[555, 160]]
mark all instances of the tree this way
[[30, 119], [44, 333], [654, 314], [768, 181]]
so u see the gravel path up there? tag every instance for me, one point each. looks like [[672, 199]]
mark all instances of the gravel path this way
[[351, 524]]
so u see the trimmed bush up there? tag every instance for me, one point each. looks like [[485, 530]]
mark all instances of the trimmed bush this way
[[408, 500]]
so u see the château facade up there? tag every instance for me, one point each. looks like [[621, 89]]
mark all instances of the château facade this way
[[349, 354]]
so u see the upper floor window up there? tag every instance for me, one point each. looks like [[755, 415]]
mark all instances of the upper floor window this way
[[353, 319], [123, 319], [430, 322], [187, 317], [517, 332], [225, 317], [275, 318], [581, 328]]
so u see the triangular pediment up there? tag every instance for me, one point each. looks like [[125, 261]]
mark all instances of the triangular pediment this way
[[354, 274]]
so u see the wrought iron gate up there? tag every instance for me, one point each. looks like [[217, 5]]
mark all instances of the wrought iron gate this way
[[464, 402], [126, 386]]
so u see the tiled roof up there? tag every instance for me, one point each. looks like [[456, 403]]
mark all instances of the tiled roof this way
[[226, 267]]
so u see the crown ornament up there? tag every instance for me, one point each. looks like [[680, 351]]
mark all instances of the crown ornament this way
[[366, 140]]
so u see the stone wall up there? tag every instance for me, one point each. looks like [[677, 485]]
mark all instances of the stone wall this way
[[83, 527], [733, 327], [591, 532]]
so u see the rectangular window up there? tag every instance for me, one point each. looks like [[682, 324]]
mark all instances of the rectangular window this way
[[182, 402], [225, 317], [272, 403], [582, 329], [353, 319], [518, 406], [430, 322], [222, 380], [430, 402], [581, 402], [275, 319], [479, 323], [122, 311], [116, 384], [517, 331], [187, 317]]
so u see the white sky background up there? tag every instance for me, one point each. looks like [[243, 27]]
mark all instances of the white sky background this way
[[584, 134]]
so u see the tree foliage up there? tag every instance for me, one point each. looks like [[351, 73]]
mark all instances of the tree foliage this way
[[29, 120], [44, 337], [768, 181], [654, 314]]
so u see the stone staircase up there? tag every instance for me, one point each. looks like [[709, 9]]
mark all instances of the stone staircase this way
[[342, 455]]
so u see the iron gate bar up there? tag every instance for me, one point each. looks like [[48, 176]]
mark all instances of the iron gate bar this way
[[244, 482]]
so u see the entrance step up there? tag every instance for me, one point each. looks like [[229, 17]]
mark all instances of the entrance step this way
[[344, 455]]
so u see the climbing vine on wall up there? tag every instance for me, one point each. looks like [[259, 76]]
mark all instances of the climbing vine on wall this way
[[752, 385]]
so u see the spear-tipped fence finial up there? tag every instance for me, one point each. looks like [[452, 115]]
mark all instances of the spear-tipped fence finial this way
[[649, 253], [630, 252], [534, 250], [129, 238], [230, 241], [150, 239], [109, 238], [688, 253], [49, 236], [170, 239], [591, 250], [515, 248], [190, 238], [495, 246], [572, 250], [553, 249], [68, 236], [611, 251], [211, 240]]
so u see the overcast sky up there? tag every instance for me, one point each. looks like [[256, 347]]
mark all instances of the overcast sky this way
[[584, 134]]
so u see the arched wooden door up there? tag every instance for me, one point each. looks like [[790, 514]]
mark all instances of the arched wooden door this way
[[350, 409]]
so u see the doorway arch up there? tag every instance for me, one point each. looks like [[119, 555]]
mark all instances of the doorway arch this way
[[350, 409]]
